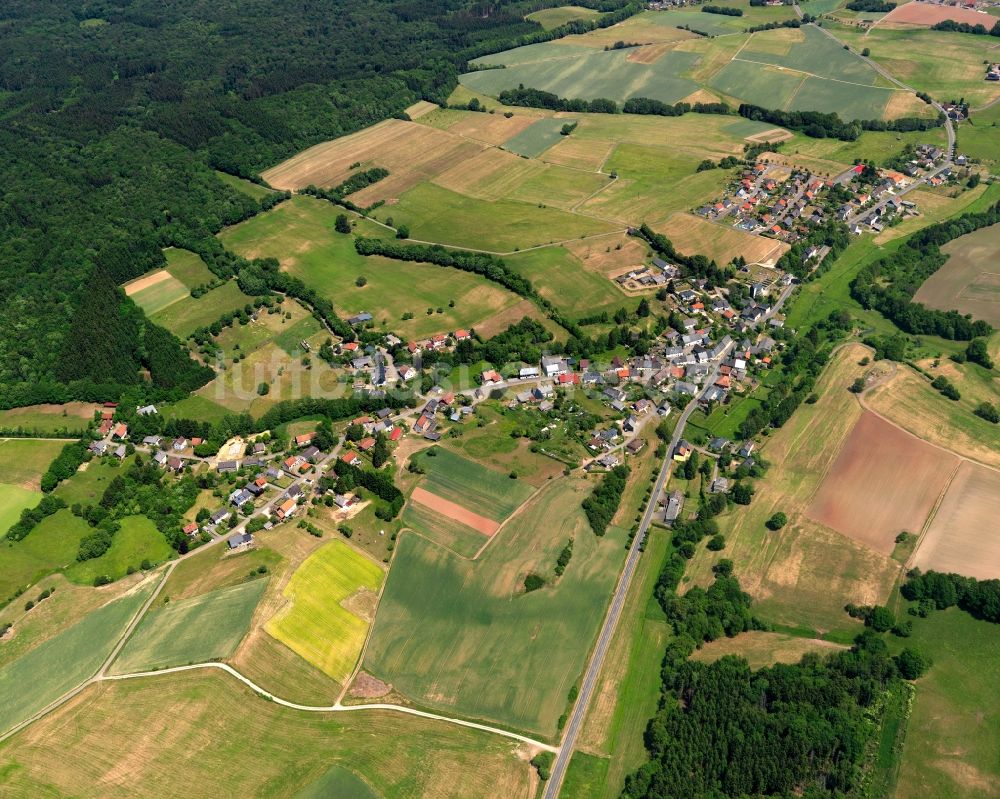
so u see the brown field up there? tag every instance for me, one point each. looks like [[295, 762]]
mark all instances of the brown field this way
[[904, 104], [488, 175], [926, 14], [818, 166], [762, 649], [649, 54], [641, 28], [144, 282], [492, 129], [596, 257], [964, 536], [773, 135], [572, 151], [420, 108], [411, 152], [701, 96], [693, 235], [884, 481], [454, 511]]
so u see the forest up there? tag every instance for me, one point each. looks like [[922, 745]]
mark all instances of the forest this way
[[115, 114]]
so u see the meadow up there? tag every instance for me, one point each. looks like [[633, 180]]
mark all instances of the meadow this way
[[64, 661], [13, 500], [550, 18], [761, 649], [535, 140], [331, 598], [156, 291], [187, 314], [206, 627], [51, 545], [23, 461], [463, 637], [50, 419], [977, 137], [254, 190], [137, 541], [117, 741], [967, 282]]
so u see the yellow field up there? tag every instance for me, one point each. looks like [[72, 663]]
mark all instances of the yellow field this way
[[693, 235], [332, 598]]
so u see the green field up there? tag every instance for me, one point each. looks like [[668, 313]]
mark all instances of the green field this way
[[13, 500], [205, 734], [953, 733], [69, 419], [453, 535], [331, 594], [23, 461], [534, 141], [54, 667], [88, 485], [978, 137], [160, 295], [463, 637], [337, 782], [206, 627], [300, 234], [186, 315], [464, 482], [187, 267], [136, 541], [254, 190], [562, 279], [51, 545], [195, 407], [550, 18], [442, 216]]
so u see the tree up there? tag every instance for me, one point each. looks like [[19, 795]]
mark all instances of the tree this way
[[977, 352], [911, 664], [987, 411], [857, 386], [742, 493], [777, 521], [880, 619], [264, 389], [380, 452], [343, 224], [716, 543], [403, 232], [361, 282]]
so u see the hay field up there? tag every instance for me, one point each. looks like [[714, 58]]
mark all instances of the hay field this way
[[803, 574], [45, 673], [299, 233], [964, 537], [969, 282], [13, 500], [762, 649], [695, 235], [488, 175], [579, 153], [331, 600], [23, 461], [563, 279], [116, 741], [206, 627], [868, 497], [462, 636]]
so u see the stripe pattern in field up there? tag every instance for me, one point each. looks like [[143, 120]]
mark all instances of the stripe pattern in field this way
[[469, 484], [535, 140], [455, 511]]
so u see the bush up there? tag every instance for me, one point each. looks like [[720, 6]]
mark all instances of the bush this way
[[911, 664], [777, 521], [543, 763], [532, 582], [857, 386], [716, 543]]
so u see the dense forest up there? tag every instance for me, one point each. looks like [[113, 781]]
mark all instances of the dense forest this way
[[113, 116]]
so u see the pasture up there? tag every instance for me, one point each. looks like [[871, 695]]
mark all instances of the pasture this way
[[13, 500], [49, 419], [45, 673], [23, 460], [331, 600], [978, 136], [969, 282], [138, 540], [867, 497], [535, 140], [117, 741], [51, 545], [187, 267], [463, 637], [469, 484], [187, 314], [206, 627], [299, 233], [803, 574], [963, 537], [550, 18]]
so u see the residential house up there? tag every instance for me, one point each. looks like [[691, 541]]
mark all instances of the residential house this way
[[225, 467], [352, 458], [674, 505], [239, 541], [152, 441]]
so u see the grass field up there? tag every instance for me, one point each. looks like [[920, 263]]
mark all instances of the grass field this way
[[338, 781], [954, 731], [136, 541], [116, 741], [23, 461], [13, 500], [186, 315], [187, 267], [803, 575], [332, 598], [51, 669], [977, 137], [155, 291], [536, 139], [449, 533], [88, 485], [967, 283], [254, 190], [51, 545], [300, 234], [550, 18], [463, 636], [206, 627], [50, 419]]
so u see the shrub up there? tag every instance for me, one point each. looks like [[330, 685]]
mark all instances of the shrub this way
[[911, 664], [716, 543], [777, 521], [532, 582]]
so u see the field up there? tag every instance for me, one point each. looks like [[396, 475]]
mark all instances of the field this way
[[977, 137], [443, 530], [117, 741], [963, 537], [23, 461], [332, 598], [64, 661], [802, 575], [254, 190], [471, 485], [535, 140], [719, 242], [926, 14], [338, 781], [155, 291], [49, 419], [136, 541], [953, 732], [206, 627], [300, 234], [761, 649], [13, 500], [186, 315], [51, 545], [867, 497], [966, 283], [463, 637], [550, 18]]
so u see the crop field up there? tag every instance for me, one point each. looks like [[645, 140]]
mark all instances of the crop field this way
[[187, 267], [332, 598], [463, 636], [535, 140], [116, 741], [299, 233], [969, 282], [441, 216], [953, 732], [695, 235], [550, 18], [492, 129], [963, 536], [155, 291], [867, 497], [471, 485], [338, 781], [927, 14], [186, 315], [206, 627], [803, 574], [447, 532], [52, 668], [136, 541]]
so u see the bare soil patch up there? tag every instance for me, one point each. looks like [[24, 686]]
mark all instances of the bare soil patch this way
[[144, 282], [927, 14], [454, 511], [367, 687], [964, 536], [883, 481]]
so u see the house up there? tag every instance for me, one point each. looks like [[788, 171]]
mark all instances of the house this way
[[690, 389], [675, 502], [542, 392], [239, 541], [359, 319], [553, 366], [120, 452], [175, 464], [190, 529], [256, 487], [406, 372], [240, 497], [608, 461], [120, 430], [160, 458], [105, 427], [490, 376], [683, 451], [344, 501], [364, 362], [286, 508], [351, 459], [272, 473], [259, 448], [180, 444], [304, 439], [462, 335], [152, 441], [220, 516], [718, 444], [747, 449], [99, 447], [720, 485], [396, 434], [366, 444], [146, 410], [528, 372], [635, 446], [225, 467]]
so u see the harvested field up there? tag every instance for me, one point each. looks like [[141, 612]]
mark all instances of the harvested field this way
[[650, 53], [693, 235], [969, 282], [868, 497], [773, 135], [455, 511], [488, 175], [925, 15], [492, 129], [964, 537], [420, 109]]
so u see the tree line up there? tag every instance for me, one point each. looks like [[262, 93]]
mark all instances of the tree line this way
[[602, 504], [820, 125]]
